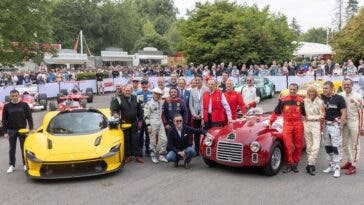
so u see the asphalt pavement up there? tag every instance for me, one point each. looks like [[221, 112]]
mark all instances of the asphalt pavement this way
[[163, 184]]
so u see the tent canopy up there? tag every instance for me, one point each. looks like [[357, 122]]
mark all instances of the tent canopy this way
[[312, 49]]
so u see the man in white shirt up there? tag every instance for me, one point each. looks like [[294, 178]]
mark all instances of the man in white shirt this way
[[250, 93]]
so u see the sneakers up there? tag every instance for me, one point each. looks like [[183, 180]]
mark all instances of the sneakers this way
[[25, 168], [154, 159], [162, 158], [351, 170], [347, 165], [337, 172], [329, 169], [11, 169]]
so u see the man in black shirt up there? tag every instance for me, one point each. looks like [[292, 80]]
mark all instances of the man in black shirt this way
[[16, 114], [128, 110], [100, 83], [335, 119]]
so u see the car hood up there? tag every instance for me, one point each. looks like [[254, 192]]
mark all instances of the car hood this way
[[245, 130], [49, 147]]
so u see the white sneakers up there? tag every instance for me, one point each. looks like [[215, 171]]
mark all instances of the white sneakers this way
[[329, 169], [162, 158], [154, 159], [333, 169], [11, 169], [337, 172]]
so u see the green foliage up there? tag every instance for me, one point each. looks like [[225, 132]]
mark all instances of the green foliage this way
[[89, 76], [295, 27], [349, 43], [351, 9], [26, 22], [315, 35], [224, 32]]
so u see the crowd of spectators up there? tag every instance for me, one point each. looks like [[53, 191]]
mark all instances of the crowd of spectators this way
[[315, 68]]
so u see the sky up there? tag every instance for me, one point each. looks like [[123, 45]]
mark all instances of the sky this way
[[308, 13]]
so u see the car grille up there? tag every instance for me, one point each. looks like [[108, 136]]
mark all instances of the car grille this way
[[73, 169], [230, 152]]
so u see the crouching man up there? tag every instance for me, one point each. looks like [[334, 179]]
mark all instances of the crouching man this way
[[180, 143]]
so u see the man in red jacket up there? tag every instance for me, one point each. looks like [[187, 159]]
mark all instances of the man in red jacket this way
[[292, 109], [215, 109], [234, 99]]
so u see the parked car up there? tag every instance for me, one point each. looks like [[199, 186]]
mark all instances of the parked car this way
[[36, 101], [88, 92], [266, 87], [318, 84], [247, 142], [74, 143]]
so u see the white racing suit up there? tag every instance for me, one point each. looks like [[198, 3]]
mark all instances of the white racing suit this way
[[351, 130], [312, 126], [250, 96], [153, 118]]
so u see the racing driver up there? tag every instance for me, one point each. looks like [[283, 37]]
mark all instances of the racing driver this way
[[234, 99], [292, 108]]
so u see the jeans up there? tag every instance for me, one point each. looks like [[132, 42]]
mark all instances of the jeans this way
[[190, 152], [13, 135], [131, 141]]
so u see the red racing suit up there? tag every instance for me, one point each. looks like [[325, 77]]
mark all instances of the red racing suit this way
[[235, 99], [292, 109]]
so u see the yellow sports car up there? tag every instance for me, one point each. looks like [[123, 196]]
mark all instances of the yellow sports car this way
[[75, 143], [318, 84]]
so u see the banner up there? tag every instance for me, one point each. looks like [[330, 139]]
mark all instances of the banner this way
[[50, 89]]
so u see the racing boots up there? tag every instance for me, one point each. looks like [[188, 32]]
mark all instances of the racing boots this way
[[295, 168], [154, 159], [347, 165], [311, 170], [162, 158], [351, 170], [337, 171], [329, 169]]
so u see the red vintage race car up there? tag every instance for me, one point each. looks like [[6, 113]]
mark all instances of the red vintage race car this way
[[35, 101], [73, 100], [247, 142]]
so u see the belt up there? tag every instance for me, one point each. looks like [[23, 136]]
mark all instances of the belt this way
[[328, 122], [312, 120]]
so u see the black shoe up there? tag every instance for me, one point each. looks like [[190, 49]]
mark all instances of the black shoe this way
[[311, 170], [308, 168], [175, 164], [287, 169], [295, 168], [187, 165]]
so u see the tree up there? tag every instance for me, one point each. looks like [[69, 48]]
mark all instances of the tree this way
[[224, 32], [27, 23], [295, 27], [351, 9], [315, 35], [349, 43]]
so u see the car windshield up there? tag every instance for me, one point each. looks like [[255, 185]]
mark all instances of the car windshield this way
[[77, 122]]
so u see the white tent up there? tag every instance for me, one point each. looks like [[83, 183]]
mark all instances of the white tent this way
[[312, 49]]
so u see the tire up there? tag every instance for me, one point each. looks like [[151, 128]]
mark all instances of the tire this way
[[275, 159], [210, 163], [59, 98], [44, 103], [89, 90], [7, 98], [52, 106], [84, 103], [64, 91], [90, 98], [42, 96]]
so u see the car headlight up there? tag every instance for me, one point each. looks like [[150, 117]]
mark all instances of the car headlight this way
[[255, 146], [209, 139], [114, 150], [31, 156]]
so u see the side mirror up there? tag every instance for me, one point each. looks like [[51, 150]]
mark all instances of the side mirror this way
[[113, 123], [125, 126]]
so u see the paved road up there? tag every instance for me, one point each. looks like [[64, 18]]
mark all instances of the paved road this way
[[163, 184]]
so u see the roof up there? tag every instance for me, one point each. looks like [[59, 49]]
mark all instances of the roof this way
[[312, 49]]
